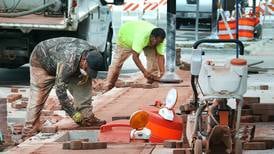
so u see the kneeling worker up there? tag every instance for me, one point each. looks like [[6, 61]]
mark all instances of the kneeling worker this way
[[69, 64]]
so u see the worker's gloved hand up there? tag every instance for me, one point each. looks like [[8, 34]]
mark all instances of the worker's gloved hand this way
[[77, 117]]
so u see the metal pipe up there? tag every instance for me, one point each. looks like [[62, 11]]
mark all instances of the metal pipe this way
[[19, 14], [254, 7], [237, 27], [214, 21], [197, 20], [170, 76]]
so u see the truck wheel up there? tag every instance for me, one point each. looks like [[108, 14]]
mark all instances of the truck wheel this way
[[108, 49]]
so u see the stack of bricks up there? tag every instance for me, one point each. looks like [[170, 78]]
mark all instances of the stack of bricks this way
[[177, 146], [3, 120], [247, 115], [264, 110], [84, 145], [12, 98], [255, 111]]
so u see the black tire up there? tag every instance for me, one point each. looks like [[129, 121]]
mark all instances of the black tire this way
[[108, 49]]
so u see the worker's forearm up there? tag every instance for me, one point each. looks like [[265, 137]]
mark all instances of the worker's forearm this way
[[161, 64], [61, 93], [138, 62]]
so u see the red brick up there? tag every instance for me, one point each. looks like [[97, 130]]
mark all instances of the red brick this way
[[66, 145], [49, 129], [120, 117], [14, 90], [173, 144], [247, 119], [251, 100], [182, 151], [85, 145], [13, 97], [76, 145], [22, 90], [17, 105], [25, 99], [24, 104], [94, 145], [264, 87], [46, 112], [254, 146], [246, 112]]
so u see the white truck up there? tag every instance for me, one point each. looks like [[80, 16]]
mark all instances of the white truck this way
[[186, 11], [25, 23]]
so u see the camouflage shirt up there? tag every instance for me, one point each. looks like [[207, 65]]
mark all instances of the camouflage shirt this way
[[63, 51]]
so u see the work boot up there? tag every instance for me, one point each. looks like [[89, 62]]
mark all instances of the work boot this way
[[29, 130], [92, 121]]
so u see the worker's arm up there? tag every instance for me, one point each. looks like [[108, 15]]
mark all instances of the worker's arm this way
[[63, 72], [136, 59], [161, 64]]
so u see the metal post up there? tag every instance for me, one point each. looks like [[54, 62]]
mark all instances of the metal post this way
[[3, 120], [237, 27], [197, 20], [254, 7], [170, 76], [214, 21]]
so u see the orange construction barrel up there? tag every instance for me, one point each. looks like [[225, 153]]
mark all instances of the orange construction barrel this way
[[162, 129]]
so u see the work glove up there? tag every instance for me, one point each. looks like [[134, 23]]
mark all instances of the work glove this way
[[77, 117]]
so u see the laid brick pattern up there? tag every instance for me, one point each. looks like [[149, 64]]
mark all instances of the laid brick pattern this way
[[173, 143], [254, 146], [49, 129], [84, 145], [183, 151]]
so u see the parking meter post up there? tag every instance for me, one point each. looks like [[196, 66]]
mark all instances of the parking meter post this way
[[214, 19], [170, 76], [197, 20]]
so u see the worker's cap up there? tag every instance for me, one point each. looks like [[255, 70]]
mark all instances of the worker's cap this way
[[95, 63]]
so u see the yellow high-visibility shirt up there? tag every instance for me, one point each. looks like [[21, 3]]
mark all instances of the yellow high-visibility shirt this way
[[135, 35]]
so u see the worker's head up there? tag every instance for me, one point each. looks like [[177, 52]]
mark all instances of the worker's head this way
[[91, 62], [157, 36]]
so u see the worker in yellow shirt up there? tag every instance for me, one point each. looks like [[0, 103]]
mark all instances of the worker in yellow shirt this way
[[133, 38]]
